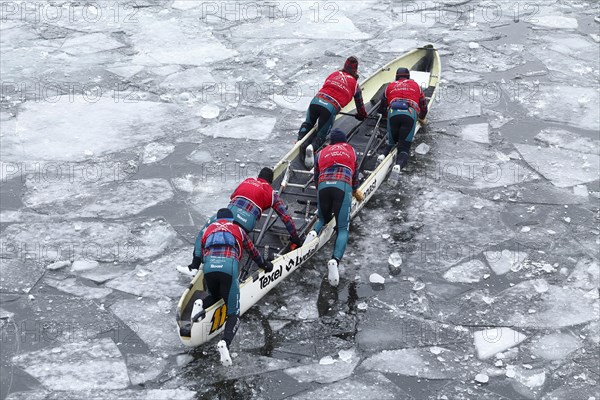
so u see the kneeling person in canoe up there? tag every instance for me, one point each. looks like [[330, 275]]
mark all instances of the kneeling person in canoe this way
[[337, 91], [254, 196], [221, 251], [336, 176], [404, 103]]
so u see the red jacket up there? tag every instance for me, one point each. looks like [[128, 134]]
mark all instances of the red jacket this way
[[257, 190], [407, 89], [341, 86], [230, 231], [341, 154]]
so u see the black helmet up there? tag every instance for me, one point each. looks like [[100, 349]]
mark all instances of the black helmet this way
[[267, 174], [402, 73], [224, 213]]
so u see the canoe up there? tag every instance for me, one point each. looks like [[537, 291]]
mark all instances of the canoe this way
[[299, 193]]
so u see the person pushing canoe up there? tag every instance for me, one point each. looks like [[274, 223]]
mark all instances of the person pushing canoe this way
[[403, 102], [337, 91], [336, 176], [254, 196], [220, 248]]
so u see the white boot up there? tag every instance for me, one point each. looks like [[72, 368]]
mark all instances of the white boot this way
[[309, 157], [334, 274], [379, 160], [394, 176], [224, 353], [310, 237]]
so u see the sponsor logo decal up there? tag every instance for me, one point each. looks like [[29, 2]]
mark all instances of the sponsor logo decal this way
[[278, 273], [371, 188]]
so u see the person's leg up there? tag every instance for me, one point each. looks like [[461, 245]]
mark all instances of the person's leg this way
[[312, 115], [342, 203], [406, 130], [392, 130], [324, 206], [231, 296], [327, 113]]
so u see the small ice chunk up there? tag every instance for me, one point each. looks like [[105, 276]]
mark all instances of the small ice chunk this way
[[423, 148], [84, 265], [482, 378], [376, 278], [346, 355], [502, 157], [467, 272], [327, 360], [436, 350], [581, 190], [385, 236], [473, 45], [154, 152], [58, 265], [209, 111], [567, 219], [362, 306], [418, 285], [540, 285], [525, 229], [395, 260], [491, 341], [506, 260], [551, 232]]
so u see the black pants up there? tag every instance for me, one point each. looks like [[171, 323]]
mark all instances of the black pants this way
[[324, 118], [219, 286], [401, 129]]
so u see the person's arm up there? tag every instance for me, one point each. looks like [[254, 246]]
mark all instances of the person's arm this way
[[287, 220], [316, 168], [355, 181], [383, 104], [249, 246], [422, 106], [360, 104]]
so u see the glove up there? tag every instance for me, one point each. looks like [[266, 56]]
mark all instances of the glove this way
[[267, 266], [358, 195], [423, 121], [361, 115], [297, 240]]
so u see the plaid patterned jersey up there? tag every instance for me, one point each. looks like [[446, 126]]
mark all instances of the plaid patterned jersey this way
[[337, 173], [277, 206]]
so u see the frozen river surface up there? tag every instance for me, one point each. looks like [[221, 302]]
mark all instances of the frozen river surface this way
[[124, 125]]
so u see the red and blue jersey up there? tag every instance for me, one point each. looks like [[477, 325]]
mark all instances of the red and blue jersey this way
[[408, 90], [337, 162], [256, 195]]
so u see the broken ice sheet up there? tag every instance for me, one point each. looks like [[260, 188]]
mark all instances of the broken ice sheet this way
[[467, 272], [143, 368], [66, 130], [199, 77], [503, 261], [568, 140], [562, 167], [324, 372], [475, 132], [157, 279], [152, 320], [558, 307], [248, 127], [555, 346], [156, 151], [496, 340], [94, 364], [371, 385], [129, 394], [419, 362], [19, 276], [71, 286], [103, 242]]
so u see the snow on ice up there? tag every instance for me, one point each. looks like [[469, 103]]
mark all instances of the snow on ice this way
[[505, 260], [555, 346], [249, 127], [467, 272]]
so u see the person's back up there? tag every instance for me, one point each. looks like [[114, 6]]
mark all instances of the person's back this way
[[256, 195]]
